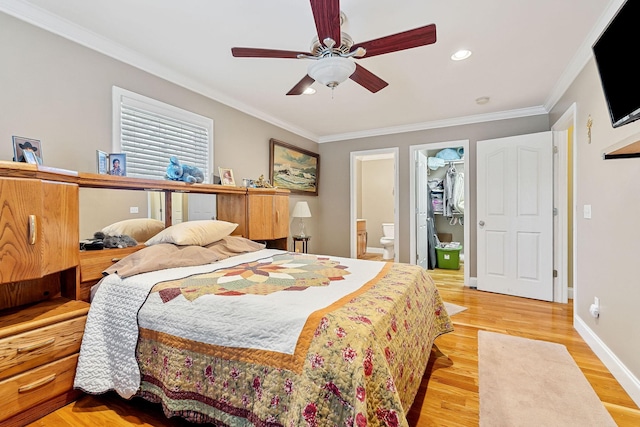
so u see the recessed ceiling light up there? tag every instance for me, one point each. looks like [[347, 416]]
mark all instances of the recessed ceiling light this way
[[482, 100], [461, 54], [309, 91]]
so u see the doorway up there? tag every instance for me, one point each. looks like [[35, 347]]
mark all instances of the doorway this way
[[564, 197], [374, 198], [418, 186]]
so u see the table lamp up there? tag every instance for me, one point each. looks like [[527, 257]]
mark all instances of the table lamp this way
[[301, 210]]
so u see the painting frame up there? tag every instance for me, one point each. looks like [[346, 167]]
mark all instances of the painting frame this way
[[226, 177], [121, 168], [20, 144], [284, 156], [102, 162]]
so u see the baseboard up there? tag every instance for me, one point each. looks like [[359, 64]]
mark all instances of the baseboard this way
[[374, 250], [569, 293], [627, 380], [473, 282]]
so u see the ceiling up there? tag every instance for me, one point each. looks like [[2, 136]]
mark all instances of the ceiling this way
[[525, 53]]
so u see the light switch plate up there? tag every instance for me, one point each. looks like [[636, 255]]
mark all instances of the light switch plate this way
[[587, 211]]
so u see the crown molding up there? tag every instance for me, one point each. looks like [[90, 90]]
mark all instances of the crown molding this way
[[459, 121]]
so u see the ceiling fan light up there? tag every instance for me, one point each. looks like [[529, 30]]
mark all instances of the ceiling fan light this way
[[332, 70]]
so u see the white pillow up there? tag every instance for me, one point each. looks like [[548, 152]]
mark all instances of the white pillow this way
[[200, 233], [140, 229]]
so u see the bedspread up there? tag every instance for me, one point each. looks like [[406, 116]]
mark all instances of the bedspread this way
[[299, 340]]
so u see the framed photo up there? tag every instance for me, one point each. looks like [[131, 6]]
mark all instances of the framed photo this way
[[102, 162], [20, 145], [293, 168], [226, 177], [117, 164]]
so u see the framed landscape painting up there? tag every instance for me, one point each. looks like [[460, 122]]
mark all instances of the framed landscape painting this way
[[293, 168]]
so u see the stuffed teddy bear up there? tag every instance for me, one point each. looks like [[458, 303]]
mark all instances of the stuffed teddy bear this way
[[114, 241], [186, 173]]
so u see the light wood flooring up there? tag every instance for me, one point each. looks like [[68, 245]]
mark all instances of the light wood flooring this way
[[448, 395]]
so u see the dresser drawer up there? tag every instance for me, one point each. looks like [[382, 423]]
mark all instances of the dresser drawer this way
[[93, 263], [19, 353], [21, 392]]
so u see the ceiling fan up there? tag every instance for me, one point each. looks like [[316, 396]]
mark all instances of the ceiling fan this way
[[333, 50]]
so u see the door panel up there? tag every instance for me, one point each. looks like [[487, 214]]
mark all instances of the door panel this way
[[515, 215], [421, 208]]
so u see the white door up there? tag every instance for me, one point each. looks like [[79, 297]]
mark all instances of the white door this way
[[515, 215], [421, 209], [201, 206]]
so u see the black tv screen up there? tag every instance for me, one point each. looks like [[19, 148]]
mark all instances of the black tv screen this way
[[615, 53]]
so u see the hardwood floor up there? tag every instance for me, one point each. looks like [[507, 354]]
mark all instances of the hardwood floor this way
[[448, 395]]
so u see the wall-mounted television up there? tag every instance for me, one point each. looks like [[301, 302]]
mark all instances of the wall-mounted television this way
[[615, 53]]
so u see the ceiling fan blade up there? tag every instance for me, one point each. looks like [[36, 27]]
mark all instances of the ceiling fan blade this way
[[326, 14], [406, 40], [367, 79], [250, 52], [302, 85]]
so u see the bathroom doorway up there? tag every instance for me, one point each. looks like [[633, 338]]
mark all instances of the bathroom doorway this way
[[422, 172], [374, 201]]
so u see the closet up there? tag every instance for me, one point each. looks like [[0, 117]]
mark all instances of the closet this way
[[445, 182]]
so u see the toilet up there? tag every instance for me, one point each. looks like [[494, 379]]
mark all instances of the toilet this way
[[388, 240]]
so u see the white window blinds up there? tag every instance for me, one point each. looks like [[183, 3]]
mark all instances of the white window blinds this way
[[149, 132]]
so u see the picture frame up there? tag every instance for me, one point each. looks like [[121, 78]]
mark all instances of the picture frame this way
[[226, 177], [293, 168], [117, 164], [102, 162], [20, 144]]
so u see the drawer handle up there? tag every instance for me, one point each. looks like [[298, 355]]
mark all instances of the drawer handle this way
[[36, 346], [33, 229], [115, 259], [36, 384]]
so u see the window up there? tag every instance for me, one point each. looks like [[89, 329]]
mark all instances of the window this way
[[150, 132]]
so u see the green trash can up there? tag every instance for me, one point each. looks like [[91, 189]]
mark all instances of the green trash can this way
[[448, 258]]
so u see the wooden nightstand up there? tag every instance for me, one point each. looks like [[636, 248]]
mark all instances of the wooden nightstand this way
[[304, 240]]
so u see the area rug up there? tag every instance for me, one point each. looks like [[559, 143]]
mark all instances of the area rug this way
[[453, 308], [525, 382]]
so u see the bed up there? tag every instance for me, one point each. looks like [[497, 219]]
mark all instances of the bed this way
[[233, 334]]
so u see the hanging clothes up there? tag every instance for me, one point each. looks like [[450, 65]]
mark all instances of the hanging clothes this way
[[458, 193], [432, 239], [449, 180]]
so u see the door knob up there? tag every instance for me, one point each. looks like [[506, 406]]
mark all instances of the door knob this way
[[481, 223]]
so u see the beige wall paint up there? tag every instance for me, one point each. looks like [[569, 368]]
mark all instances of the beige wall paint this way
[[59, 92], [608, 244], [377, 197], [334, 198]]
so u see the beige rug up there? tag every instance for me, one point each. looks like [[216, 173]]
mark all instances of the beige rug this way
[[526, 382], [453, 308]]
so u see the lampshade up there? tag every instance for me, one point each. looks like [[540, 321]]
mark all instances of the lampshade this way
[[332, 70], [301, 210]]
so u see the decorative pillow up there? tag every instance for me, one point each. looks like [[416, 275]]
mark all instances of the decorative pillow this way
[[140, 229], [199, 233]]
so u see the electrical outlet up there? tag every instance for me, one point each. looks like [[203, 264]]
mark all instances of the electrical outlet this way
[[133, 209]]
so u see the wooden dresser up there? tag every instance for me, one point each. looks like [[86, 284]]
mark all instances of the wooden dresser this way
[[41, 323], [39, 347]]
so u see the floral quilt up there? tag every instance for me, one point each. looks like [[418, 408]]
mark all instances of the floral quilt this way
[[356, 359]]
